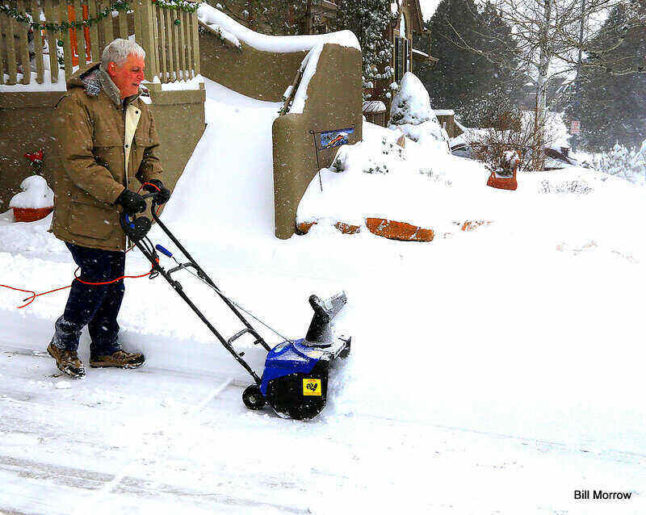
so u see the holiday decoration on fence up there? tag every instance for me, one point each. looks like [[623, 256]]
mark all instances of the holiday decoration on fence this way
[[24, 17], [120, 5], [36, 200], [505, 178]]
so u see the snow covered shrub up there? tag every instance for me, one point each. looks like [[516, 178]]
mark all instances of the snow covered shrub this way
[[391, 148], [411, 112], [517, 132], [577, 187], [625, 163]]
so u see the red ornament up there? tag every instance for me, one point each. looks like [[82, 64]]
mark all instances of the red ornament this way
[[36, 156]]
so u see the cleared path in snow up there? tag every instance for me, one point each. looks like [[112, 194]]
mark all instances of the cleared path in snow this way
[[228, 183]]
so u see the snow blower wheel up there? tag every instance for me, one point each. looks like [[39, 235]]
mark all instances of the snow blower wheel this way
[[252, 397]]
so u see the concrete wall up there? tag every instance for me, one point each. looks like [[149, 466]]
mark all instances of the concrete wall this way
[[334, 102], [250, 72], [25, 121]]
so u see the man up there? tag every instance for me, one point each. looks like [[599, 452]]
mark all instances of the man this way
[[106, 138]]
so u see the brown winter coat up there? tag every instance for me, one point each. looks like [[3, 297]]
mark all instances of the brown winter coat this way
[[89, 127]]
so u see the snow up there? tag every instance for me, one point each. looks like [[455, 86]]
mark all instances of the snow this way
[[374, 106], [181, 85], [493, 371], [217, 20], [33, 86], [308, 69], [411, 113], [36, 194]]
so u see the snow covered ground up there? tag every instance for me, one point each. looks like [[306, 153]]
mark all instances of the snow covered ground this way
[[493, 371]]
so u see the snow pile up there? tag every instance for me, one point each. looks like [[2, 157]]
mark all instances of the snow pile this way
[[624, 163], [308, 70], [411, 112], [379, 178], [236, 33], [556, 131], [35, 195]]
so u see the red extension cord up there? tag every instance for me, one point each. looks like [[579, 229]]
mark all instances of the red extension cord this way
[[33, 295]]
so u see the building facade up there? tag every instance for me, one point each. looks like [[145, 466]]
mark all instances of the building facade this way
[[280, 17]]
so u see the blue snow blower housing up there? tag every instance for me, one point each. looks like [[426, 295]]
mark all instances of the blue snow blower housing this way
[[295, 379]]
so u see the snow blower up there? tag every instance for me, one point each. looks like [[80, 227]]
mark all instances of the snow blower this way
[[294, 382]]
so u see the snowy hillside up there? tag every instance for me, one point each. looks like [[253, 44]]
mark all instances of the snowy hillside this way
[[493, 371]]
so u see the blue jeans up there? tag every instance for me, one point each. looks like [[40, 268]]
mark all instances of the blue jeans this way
[[94, 306]]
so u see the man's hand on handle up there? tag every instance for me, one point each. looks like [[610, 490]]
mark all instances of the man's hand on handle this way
[[132, 202], [156, 186]]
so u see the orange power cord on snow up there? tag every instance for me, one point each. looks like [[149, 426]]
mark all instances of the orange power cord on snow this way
[[33, 295]]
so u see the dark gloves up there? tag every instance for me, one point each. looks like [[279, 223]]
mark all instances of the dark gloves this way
[[156, 186], [132, 202], [136, 229]]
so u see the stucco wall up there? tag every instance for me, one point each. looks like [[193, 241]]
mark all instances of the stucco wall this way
[[334, 103], [25, 119], [250, 72]]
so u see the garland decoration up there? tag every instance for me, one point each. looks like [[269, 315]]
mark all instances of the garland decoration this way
[[119, 5]]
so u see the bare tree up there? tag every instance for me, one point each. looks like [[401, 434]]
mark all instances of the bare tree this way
[[552, 37]]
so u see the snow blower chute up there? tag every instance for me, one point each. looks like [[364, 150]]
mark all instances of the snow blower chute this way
[[295, 378]]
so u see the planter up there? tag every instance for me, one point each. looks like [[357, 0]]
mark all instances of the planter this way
[[503, 182], [28, 214], [401, 231]]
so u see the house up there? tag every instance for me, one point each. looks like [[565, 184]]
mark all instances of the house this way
[[317, 17], [407, 28]]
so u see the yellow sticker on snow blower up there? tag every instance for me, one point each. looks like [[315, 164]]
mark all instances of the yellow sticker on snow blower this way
[[312, 387]]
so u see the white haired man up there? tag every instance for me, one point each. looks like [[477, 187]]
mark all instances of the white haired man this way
[[106, 139]]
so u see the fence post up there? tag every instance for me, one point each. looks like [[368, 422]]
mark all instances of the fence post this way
[[144, 11], [38, 42], [24, 45], [11, 50], [196, 43], [51, 40], [65, 37]]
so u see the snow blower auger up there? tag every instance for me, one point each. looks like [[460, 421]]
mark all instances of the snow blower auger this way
[[295, 379]]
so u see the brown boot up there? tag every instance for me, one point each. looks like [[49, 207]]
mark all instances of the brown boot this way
[[67, 361], [119, 359]]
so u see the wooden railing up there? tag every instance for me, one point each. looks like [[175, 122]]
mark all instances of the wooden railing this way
[[53, 53]]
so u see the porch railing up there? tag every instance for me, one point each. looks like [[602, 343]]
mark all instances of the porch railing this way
[[73, 33]]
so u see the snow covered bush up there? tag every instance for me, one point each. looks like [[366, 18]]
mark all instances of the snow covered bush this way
[[625, 163], [516, 131], [411, 112]]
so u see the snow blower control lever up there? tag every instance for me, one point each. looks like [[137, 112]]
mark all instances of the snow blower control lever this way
[[295, 378]]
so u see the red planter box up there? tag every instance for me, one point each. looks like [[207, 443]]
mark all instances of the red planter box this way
[[28, 214]]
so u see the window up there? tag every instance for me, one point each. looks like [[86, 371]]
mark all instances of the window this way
[[402, 58]]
